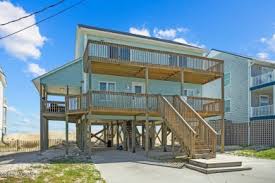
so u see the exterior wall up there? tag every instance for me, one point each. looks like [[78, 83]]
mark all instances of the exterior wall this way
[[83, 35], [124, 84], [238, 89], [71, 75], [1, 106]]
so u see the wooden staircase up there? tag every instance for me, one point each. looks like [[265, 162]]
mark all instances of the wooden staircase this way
[[194, 134]]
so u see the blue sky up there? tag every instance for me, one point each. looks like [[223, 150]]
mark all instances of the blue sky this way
[[246, 27]]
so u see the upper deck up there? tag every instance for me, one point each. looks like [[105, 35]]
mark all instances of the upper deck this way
[[121, 60]]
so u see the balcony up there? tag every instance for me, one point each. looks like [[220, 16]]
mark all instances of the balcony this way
[[122, 60], [261, 111], [263, 79], [121, 103]]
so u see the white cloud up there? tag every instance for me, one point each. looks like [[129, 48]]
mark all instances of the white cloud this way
[[142, 31], [262, 55], [181, 40], [165, 33], [25, 44], [14, 110], [269, 42], [35, 69]]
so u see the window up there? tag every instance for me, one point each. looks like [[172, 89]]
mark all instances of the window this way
[[227, 107], [106, 86], [264, 100], [227, 79], [188, 92]]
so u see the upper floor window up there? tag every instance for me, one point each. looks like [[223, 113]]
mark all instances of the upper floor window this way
[[264, 100], [188, 92], [227, 105], [227, 79], [106, 86]]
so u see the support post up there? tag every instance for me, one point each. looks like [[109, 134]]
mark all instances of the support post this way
[[67, 123], [41, 119], [46, 134], [67, 135], [142, 135], [164, 136], [117, 135], [88, 137], [124, 131], [134, 135], [112, 134], [173, 142], [181, 82], [147, 115], [222, 117]]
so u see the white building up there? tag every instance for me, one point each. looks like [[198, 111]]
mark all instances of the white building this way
[[3, 105]]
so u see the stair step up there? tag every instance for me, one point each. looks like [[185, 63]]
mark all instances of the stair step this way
[[203, 155], [213, 164], [201, 151], [217, 170]]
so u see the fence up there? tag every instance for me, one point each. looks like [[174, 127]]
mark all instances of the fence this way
[[257, 132], [26, 145]]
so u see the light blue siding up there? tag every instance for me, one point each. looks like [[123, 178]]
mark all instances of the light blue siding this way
[[124, 84], [69, 75], [237, 91]]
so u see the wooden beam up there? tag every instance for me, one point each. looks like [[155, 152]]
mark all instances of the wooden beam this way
[[222, 117], [140, 71], [171, 75], [117, 135], [182, 82], [133, 124], [147, 112], [164, 136]]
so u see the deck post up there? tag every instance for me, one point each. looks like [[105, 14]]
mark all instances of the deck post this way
[[67, 124], [147, 111], [88, 137], [142, 135], [152, 135], [112, 134], [124, 136], [67, 135], [164, 136], [41, 118], [46, 134], [134, 135], [181, 82], [222, 117], [173, 142], [117, 135]]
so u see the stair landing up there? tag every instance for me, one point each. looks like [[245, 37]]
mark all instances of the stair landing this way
[[217, 165]]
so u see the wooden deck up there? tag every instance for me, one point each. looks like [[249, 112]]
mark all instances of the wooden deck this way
[[121, 60], [122, 104]]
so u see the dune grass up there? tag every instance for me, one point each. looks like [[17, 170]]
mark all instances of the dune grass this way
[[61, 170], [265, 154]]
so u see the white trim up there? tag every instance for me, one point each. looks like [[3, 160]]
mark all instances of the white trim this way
[[230, 79], [107, 86], [267, 96], [229, 105], [142, 84]]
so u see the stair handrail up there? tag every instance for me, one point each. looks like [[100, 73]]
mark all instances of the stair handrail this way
[[197, 114], [179, 115]]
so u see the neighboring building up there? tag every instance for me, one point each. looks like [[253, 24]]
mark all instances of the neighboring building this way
[[3, 104], [121, 80], [249, 98]]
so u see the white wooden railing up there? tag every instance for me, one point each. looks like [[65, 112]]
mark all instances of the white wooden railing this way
[[102, 51], [263, 78], [262, 111]]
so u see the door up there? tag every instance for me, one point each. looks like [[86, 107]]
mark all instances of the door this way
[[138, 101]]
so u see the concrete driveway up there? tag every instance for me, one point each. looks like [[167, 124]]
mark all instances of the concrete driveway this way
[[120, 166]]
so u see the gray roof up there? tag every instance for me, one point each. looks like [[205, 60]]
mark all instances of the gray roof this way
[[135, 35]]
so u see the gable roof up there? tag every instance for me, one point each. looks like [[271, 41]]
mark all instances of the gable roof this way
[[36, 81], [138, 36], [253, 59]]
